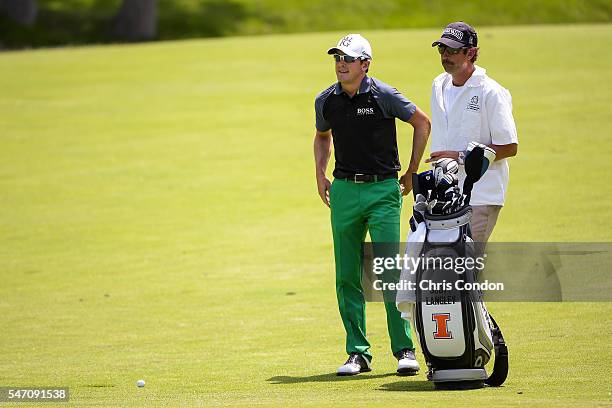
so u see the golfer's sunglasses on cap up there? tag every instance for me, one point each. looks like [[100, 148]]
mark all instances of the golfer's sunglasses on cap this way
[[346, 58], [452, 51]]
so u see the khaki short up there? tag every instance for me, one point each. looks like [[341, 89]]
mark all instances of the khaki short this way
[[484, 219]]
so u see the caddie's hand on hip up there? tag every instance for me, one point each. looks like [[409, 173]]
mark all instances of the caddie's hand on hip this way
[[323, 185], [441, 154]]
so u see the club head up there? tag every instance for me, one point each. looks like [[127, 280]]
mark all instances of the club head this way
[[455, 204], [446, 207], [438, 207], [478, 159], [489, 157], [447, 165], [444, 195], [431, 204], [420, 206], [473, 163], [473, 166]]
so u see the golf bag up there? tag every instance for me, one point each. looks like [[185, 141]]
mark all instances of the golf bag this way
[[456, 332]]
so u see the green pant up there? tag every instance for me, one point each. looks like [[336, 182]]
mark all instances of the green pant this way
[[355, 209]]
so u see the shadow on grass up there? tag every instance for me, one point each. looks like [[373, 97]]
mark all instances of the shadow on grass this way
[[408, 385], [331, 377]]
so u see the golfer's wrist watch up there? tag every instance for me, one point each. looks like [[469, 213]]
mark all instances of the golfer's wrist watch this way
[[461, 158]]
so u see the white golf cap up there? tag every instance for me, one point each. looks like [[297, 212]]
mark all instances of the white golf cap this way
[[353, 45]]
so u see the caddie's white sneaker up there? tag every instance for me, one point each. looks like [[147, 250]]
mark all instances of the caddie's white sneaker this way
[[356, 363], [406, 362]]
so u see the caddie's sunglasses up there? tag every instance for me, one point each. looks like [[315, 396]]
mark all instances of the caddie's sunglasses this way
[[346, 58], [451, 51]]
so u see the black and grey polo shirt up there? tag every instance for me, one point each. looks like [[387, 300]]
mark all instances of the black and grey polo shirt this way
[[363, 127]]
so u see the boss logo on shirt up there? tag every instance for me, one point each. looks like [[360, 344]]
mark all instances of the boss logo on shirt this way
[[473, 104], [365, 111]]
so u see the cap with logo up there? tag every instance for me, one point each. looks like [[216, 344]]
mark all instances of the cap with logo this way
[[458, 35], [353, 45]]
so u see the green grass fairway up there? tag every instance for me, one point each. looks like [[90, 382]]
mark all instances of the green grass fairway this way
[[159, 220]]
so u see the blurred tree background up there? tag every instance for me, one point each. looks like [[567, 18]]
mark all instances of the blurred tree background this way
[[36, 23]]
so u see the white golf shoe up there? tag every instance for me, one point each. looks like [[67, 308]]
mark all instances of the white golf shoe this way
[[406, 363], [356, 363]]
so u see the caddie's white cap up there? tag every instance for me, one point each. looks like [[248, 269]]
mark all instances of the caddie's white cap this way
[[353, 45]]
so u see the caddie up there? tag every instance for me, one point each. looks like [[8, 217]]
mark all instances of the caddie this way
[[467, 105]]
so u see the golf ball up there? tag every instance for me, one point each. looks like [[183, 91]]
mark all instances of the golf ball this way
[[140, 383]]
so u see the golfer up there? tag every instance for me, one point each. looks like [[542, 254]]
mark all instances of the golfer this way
[[467, 105], [358, 113]]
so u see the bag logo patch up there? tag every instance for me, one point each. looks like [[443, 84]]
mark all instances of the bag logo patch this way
[[441, 320]]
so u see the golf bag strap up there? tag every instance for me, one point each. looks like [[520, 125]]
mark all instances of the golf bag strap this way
[[413, 224], [416, 188], [500, 368], [415, 220]]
